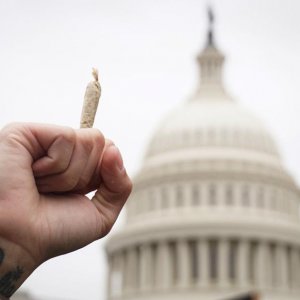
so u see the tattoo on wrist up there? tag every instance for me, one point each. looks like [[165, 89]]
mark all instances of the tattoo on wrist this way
[[9, 279]]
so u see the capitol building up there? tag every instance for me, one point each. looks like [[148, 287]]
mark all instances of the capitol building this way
[[214, 214]]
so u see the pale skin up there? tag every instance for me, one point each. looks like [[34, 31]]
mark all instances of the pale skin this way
[[45, 173]]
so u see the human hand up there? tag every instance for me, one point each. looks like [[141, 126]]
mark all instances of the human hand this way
[[45, 172]]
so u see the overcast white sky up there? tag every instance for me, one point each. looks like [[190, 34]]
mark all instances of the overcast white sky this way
[[145, 52]]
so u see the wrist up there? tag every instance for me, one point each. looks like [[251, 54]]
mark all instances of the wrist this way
[[15, 266]]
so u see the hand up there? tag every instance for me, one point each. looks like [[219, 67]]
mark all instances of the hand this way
[[45, 172]]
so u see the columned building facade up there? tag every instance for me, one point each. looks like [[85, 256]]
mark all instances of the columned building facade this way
[[213, 213]]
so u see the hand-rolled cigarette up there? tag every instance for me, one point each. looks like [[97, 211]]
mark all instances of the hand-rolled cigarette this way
[[91, 100]]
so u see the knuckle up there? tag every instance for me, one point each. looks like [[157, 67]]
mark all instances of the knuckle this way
[[69, 135], [98, 138]]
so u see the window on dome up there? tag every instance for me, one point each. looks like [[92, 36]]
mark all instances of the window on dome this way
[[229, 195], [164, 198], [212, 195], [245, 196], [151, 200], [273, 199], [195, 195], [179, 196], [260, 197]]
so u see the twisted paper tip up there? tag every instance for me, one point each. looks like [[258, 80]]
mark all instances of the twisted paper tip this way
[[95, 74]]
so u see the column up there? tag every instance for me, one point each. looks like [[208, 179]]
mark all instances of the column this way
[[122, 263], [126, 273], [223, 262], [184, 266], [116, 275], [260, 265], [243, 263], [163, 266], [298, 268], [146, 267], [269, 267], [203, 261], [131, 274], [281, 258], [285, 269], [294, 268]]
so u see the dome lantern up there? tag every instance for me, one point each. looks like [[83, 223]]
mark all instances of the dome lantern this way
[[210, 62]]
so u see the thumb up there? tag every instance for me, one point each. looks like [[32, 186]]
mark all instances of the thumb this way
[[115, 189]]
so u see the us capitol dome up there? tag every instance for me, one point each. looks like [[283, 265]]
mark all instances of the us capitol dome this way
[[213, 213]]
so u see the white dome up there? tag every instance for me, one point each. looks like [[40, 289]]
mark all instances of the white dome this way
[[216, 129], [195, 115], [217, 123]]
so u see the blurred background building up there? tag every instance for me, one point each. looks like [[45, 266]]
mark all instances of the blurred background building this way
[[213, 214]]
